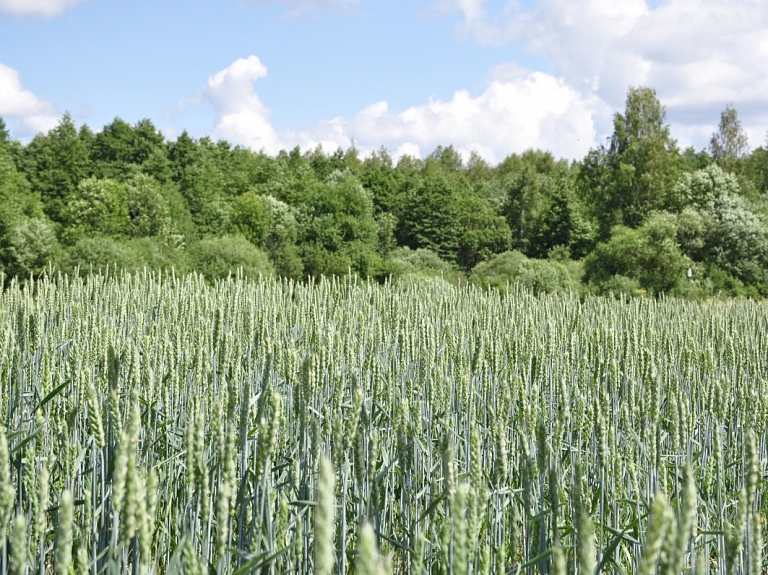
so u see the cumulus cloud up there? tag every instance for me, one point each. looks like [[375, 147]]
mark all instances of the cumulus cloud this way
[[699, 55], [23, 110], [241, 117], [299, 7], [36, 8], [519, 109]]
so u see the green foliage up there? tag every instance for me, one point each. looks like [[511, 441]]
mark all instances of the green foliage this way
[[337, 230], [649, 254], [148, 209], [441, 215], [738, 242], [703, 188], [250, 218], [104, 254], [218, 258], [407, 265], [16, 197], [542, 276], [156, 253], [55, 164], [430, 217], [719, 227], [280, 241], [728, 145], [627, 181], [384, 182], [324, 165], [447, 158], [4, 134], [386, 226], [693, 160], [692, 232], [482, 233], [756, 170], [525, 203], [509, 268], [29, 247], [540, 161], [201, 185], [96, 207], [120, 151], [180, 218], [111, 255], [316, 213], [619, 285], [543, 211]]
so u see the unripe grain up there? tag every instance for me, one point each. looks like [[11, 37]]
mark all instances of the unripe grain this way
[[64, 534], [18, 559], [658, 523], [325, 519]]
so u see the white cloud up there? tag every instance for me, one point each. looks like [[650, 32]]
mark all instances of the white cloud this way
[[240, 115], [299, 7], [36, 8], [519, 109], [699, 55], [25, 112]]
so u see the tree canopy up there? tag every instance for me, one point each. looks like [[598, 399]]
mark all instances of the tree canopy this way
[[636, 215]]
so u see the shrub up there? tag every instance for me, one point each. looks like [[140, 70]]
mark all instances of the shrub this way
[[29, 247], [407, 265], [539, 276], [216, 258], [102, 254]]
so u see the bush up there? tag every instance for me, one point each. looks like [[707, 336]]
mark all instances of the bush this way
[[102, 254], [649, 254], [251, 218], [158, 255], [619, 285], [216, 258], [29, 247], [539, 276], [407, 266], [542, 276]]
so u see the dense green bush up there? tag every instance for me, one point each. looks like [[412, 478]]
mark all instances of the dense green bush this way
[[650, 255], [217, 258], [29, 247], [407, 266], [101, 254], [539, 276]]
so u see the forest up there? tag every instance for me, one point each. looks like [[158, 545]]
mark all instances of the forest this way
[[637, 216]]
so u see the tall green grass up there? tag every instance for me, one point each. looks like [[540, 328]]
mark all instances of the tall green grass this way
[[154, 424]]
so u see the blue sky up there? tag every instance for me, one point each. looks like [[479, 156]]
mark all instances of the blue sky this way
[[491, 76]]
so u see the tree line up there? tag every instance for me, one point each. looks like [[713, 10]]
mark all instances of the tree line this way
[[637, 215]]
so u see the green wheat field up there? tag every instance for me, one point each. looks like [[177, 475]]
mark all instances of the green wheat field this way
[[155, 424]]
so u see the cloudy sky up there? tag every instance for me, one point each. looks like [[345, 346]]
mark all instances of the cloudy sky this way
[[493, 76]]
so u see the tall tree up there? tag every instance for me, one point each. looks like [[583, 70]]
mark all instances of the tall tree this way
[[431, 215], [729, 145], [4, 135], [629, 179], [337, 228], [181, 154], [121, 150], [447, 157], [378, 175], [55, 165], [527, 192], [16, 198]]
